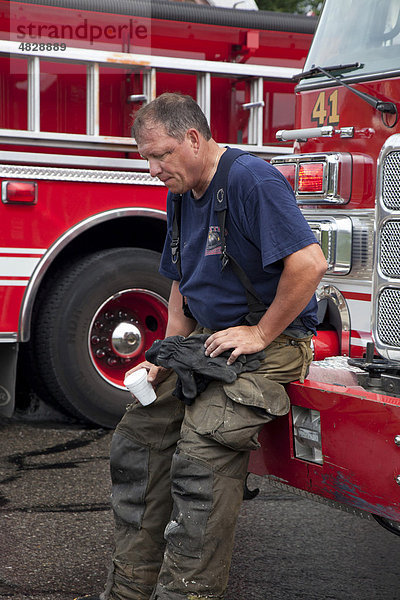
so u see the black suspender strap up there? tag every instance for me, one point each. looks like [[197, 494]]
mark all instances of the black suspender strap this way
[[176, 243], [175, 234], [255, 303]]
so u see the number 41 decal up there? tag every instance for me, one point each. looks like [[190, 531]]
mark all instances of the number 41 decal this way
[[319, 112]]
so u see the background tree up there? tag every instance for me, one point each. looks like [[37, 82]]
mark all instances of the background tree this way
[[292, 6]]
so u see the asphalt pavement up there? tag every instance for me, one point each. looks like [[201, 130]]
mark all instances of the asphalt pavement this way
[[56, 529]]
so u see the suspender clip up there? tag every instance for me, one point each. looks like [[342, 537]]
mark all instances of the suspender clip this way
[[175, 251], [224, 257]]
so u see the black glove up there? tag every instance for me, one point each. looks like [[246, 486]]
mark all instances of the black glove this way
[[186, 356]]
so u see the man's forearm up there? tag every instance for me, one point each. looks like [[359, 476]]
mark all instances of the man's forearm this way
[[178, 323], [289, 301], [299, 279], [301, 274]]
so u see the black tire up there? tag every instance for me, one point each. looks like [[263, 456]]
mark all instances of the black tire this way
[[389, 524], [62, 323]]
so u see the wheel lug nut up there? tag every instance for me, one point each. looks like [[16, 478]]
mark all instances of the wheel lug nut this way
[[111, 361], [100, 353], [94, 339]]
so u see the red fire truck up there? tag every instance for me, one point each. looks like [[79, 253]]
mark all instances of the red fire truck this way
[[341, 441], [82, 223]]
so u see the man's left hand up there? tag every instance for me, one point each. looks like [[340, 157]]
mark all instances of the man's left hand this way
[[243, 339]]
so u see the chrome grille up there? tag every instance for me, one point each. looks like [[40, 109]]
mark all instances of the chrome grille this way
[[390, 249], [391, 181], [389, 317]]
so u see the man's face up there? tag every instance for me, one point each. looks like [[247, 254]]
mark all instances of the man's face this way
[[169, 160]]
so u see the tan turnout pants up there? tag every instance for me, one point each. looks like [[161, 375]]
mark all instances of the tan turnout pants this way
[[178, 476]]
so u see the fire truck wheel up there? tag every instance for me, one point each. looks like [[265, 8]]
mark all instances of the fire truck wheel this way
[[92, 323]]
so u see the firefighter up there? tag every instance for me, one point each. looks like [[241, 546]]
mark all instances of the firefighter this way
[[178, 469]]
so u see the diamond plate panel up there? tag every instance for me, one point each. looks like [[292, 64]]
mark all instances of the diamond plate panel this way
[[391, 181], [389, 317], [390, 249]]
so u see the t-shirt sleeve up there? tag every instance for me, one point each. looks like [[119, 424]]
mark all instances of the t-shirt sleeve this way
[[274, 220], [167, 268]]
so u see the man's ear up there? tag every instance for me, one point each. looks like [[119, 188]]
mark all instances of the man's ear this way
[[193, 137]]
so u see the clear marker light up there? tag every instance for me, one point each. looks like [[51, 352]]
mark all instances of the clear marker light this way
[[288, 171]]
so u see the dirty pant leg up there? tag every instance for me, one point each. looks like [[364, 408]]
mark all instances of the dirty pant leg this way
[[208, 472], [141, 454]]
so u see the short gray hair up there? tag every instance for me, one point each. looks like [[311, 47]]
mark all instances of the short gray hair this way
[[176, 112]]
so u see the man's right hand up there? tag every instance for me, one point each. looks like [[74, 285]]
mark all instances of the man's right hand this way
[[178, 324], [155, 375]]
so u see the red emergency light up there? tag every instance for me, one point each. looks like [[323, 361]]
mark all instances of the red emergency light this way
[[311, 177], [320, 178], [19, 192]]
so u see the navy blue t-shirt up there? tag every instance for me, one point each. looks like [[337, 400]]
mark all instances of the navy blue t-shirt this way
[[263, 225]]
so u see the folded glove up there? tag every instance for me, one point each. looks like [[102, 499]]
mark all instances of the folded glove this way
[[186, 356]]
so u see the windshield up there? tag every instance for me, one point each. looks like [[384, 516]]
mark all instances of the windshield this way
[[364, 31]]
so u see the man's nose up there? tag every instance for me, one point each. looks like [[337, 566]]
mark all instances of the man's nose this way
[[155, 168]]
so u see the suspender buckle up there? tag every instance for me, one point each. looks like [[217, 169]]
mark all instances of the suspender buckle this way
[[174, 251], [224, 257]]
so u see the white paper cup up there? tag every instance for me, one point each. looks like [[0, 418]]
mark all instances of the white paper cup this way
[[139, 387]]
